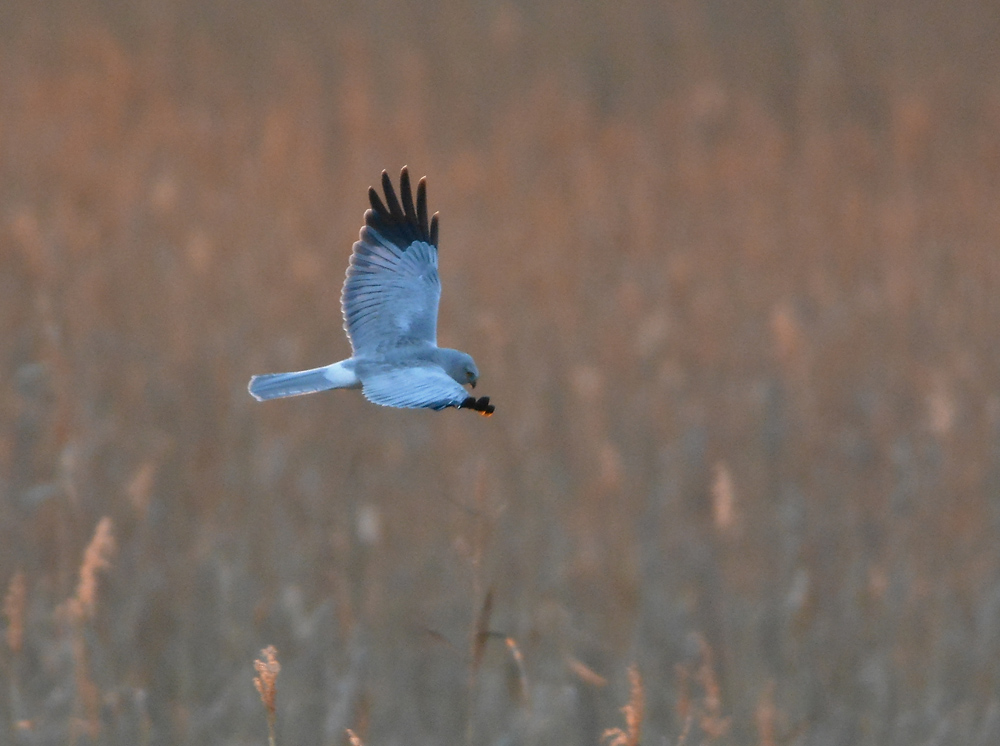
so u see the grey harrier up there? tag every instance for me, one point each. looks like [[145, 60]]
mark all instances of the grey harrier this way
[[390, 306]]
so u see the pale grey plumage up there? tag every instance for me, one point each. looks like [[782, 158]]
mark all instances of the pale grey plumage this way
[[390, 307]]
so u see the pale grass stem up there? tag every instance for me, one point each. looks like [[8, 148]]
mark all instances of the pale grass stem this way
[[712, 722], [585, 673], [522, 674], [723, 498], [477, 645], [479, 634], [13, 608], [708, 712], [685, 708], [266, 682], [14, 604], [766, 716]]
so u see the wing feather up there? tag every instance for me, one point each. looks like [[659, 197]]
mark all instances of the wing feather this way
[[414, 387], [422, 207]]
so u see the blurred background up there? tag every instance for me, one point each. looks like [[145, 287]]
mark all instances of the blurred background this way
[[729, 270]]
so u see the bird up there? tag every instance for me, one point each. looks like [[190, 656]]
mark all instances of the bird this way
[[390, 306]]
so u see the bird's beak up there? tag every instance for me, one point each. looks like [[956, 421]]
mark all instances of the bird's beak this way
[[473, 384]]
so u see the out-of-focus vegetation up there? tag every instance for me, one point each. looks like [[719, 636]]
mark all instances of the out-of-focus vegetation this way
[[730, 272]]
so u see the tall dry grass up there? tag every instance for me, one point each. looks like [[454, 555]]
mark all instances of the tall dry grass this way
[[730, 276]]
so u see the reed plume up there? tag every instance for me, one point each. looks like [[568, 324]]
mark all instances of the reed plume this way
[[266, 682], [631, 734]]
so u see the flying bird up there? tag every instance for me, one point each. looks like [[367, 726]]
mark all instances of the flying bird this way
[[390, 307]]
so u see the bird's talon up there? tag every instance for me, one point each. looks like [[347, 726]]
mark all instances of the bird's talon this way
[[481, 405]]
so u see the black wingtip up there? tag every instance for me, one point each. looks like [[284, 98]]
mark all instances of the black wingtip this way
[[406, 197], [376, 203], [399, 219], [395, 211], [404, 185], [481, 405], [422, 206]]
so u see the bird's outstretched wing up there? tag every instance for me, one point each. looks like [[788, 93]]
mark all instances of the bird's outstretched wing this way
[[418, 387], [390, 297]]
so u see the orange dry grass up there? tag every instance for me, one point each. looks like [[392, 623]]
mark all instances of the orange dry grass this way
[[266, 680], [631, 734], [96, 557], [79, 610], [704, 711], [266, 683]]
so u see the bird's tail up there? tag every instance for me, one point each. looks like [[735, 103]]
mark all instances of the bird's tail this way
[[278, 385]]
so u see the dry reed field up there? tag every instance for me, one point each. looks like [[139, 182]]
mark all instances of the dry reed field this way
[[731, 274]]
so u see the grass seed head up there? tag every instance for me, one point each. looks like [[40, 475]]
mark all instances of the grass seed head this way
[[96, 557], [631, 734], [266, 679]]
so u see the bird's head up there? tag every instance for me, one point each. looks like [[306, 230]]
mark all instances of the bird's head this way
[[461, 367]]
